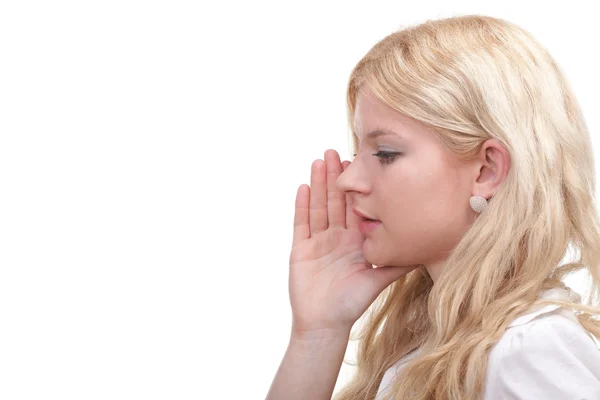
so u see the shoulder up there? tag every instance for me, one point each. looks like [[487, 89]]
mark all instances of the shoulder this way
[[545, 355]]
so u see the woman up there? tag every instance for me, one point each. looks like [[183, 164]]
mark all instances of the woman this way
[[472, 180]]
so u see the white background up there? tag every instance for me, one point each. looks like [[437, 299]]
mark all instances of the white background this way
[[150, 153]]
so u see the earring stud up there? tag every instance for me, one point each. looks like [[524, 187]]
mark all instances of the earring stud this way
[[478, 203]]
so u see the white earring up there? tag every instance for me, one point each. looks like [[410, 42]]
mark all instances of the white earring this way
[[478, 203]]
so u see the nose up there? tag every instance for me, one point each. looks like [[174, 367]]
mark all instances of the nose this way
[[353, 180]]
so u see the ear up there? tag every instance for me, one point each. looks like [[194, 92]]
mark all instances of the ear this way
[[493, 164]]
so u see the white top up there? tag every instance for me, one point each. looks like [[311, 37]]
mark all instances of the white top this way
[[545, 354]]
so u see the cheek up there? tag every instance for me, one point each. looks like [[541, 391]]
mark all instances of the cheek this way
[[403, 208], [442, 209], [427, 201]]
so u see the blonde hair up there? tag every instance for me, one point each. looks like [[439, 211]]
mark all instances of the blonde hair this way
[[469, 79]]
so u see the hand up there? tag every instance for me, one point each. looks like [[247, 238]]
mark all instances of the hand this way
[[330, 283]]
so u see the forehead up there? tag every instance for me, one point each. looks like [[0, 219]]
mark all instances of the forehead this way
[[368, 106], [371, 115]]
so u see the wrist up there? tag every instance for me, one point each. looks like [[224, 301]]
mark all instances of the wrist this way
[[320, 335]]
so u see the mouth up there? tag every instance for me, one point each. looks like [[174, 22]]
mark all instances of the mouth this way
[[364, 217], [368, 225]]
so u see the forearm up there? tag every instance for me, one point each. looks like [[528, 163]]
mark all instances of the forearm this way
[[310, 367]]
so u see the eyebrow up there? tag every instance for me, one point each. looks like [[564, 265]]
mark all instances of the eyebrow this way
[[380, 132]]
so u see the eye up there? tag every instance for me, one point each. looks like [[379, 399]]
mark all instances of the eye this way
[[386, 157]]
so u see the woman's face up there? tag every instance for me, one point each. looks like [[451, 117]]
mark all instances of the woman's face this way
[[415, 187]]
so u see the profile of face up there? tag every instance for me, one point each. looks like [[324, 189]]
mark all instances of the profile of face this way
[[414, 186]]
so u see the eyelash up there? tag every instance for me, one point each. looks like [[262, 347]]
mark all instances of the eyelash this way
[[385, 157]]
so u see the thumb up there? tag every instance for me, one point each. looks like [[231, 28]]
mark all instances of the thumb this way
[[385, 275]]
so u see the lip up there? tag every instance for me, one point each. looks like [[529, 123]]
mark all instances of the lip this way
[[365, 216], [366, 226]]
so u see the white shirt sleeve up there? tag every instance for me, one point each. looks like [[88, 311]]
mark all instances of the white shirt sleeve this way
[[551, 357]]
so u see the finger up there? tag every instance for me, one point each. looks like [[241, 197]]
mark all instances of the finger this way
[[349, 212], [301, 226], [336, 199], [352, 219], [318, 197]]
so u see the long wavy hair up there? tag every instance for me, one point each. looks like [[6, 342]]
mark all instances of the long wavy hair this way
[[472, 78]]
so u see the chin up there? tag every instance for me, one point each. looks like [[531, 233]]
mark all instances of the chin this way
[[375, 261]]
